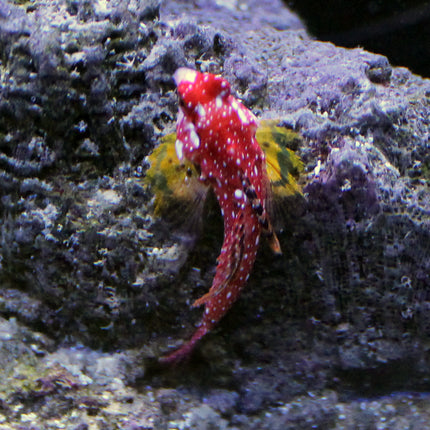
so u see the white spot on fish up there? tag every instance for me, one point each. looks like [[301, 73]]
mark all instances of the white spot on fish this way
[[179, 145], [194, 139], [242, 116], [180, 115], [218, 102], [200, 110], [238, 194]]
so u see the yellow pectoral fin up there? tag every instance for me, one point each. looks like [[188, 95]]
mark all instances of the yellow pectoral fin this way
[[283, 165], [179, 194]]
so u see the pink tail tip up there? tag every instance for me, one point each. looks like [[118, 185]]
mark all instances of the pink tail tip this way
[[176, 356], [185, 350]]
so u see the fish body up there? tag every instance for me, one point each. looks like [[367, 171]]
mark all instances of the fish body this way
[[216, 132]]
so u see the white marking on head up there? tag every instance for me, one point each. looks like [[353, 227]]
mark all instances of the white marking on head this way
[[194, 139], [183, 74], [200, 110], [179, 145], [180, 115], [242, 115]]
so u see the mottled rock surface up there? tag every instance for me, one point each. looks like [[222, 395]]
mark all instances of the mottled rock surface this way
[[93, 289]]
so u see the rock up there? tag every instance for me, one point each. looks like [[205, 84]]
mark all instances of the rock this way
[[204, 417]]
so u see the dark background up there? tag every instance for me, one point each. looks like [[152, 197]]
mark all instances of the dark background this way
[[399, 29]]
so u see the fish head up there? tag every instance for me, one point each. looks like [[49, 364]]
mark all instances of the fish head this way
[[196, 89]]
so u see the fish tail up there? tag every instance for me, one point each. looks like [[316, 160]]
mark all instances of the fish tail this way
[[185, 350], [234, 266], [216, 307]]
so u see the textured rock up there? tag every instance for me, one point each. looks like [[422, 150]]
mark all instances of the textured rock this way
[[86, 93]]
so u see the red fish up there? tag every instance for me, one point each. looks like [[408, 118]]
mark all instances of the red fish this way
[[216, 132]]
